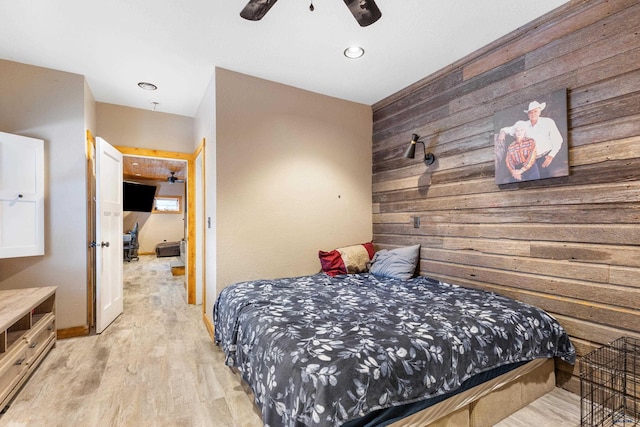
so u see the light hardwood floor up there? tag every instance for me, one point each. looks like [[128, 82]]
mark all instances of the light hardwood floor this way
[[157, 366]]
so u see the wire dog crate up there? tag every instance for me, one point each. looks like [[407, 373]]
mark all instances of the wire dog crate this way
[[610, 385]]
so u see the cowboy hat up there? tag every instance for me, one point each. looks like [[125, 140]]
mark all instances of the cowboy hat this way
[[535, 104]]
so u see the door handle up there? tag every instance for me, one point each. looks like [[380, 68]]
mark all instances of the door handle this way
[[103, 244], [13, 202]]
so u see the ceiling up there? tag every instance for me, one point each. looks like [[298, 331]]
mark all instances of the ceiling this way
[[152, 169], [177, 44]]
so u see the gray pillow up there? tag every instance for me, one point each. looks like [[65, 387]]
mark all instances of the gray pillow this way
[[397, 263]]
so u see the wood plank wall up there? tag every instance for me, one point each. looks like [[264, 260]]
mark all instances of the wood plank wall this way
[[570, 245]]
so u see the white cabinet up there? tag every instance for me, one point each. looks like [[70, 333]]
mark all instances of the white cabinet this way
[[21, 196], [27, 333]]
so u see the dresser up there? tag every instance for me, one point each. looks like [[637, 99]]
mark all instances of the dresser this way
[[27, 333]]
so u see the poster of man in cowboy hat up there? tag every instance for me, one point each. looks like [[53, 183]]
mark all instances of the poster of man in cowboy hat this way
[[546, 129]]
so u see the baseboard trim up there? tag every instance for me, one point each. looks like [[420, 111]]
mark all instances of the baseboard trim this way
[[76, 331], [209, 325]]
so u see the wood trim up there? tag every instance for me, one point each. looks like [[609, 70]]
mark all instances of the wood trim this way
[[190, 158], [191, 227], [191, 230], [91, 231], [201, 149], [76, 331], [144, 152], [209, 325]]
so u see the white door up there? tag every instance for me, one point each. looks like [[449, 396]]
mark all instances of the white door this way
[[109, 282]]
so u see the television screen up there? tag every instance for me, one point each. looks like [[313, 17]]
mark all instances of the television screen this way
[[137, 197]]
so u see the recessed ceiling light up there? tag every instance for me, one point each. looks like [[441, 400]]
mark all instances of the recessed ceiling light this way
[[353, 52], [147, 86]]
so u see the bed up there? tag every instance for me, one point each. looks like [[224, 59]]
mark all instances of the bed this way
[[360, 349]]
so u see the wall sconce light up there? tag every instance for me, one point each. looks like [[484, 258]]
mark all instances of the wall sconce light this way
[[429, 158]]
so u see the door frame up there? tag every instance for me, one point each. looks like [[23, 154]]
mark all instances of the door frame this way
[[191, 224], [199, 227], [191, 214], [91, 230]]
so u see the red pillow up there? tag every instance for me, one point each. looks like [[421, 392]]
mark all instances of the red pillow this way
[[347, 260]]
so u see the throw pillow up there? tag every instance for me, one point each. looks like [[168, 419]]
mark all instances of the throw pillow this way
[[397, 263], [347, 260]]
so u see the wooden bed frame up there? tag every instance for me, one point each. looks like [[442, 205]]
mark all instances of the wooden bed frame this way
[[490, 402], [480, 406]]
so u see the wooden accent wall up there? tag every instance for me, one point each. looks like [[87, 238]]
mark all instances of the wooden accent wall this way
[[570, 245]]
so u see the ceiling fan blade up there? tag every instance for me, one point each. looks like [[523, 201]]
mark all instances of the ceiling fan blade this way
[[172, 178], [256, 9], [366, 12]]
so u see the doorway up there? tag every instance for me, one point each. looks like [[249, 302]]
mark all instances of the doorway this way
[[195, 230], [159, 211], [189, 204]]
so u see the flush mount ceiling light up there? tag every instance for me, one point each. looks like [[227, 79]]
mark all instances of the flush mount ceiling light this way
[[353, 52], [147, 86]]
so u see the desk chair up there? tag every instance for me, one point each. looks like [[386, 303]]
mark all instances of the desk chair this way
[[130, 244]]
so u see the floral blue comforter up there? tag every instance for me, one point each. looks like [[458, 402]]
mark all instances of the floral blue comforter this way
[[320, 350]]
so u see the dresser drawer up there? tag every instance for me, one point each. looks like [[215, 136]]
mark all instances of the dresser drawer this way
[[40, 336], [13, 365]]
